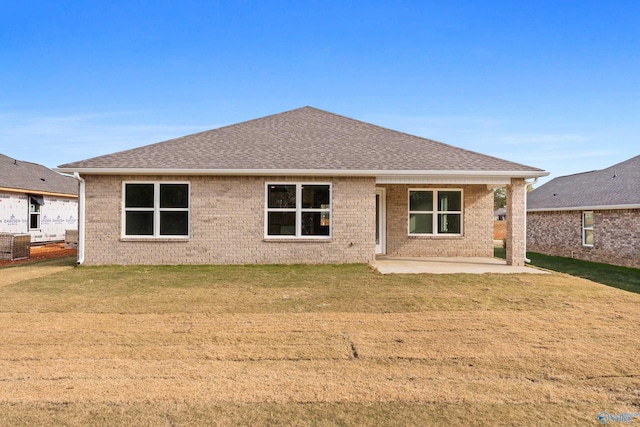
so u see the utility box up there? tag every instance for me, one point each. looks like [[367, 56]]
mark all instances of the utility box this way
[[14, 246]]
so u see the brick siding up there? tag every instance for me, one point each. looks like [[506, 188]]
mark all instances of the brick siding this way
[[477, 238], [616, 235], [516, 222], [227, 224]]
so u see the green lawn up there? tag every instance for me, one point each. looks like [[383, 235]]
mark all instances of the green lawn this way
[[624, 278], [311, 345]]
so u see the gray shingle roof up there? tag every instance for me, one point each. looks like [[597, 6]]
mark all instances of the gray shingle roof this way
[[301, 139], [618, 185], [500, 211], [34, 178]]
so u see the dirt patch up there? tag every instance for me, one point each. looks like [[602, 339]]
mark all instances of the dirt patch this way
[[42, 253]]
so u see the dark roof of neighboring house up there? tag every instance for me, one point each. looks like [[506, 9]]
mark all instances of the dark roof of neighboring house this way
[[301, 139], [500, 211], [616, 186], [34, 178]]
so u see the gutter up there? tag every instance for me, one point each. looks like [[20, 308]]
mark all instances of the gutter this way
[[81, 218], [587, 208], [303, 172]]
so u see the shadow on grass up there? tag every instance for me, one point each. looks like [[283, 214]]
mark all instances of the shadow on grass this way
[[624, 278]]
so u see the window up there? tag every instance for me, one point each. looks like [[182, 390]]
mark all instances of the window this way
[[156, 209], [298, 210], [435, 212], [587, 229], [35, 202]]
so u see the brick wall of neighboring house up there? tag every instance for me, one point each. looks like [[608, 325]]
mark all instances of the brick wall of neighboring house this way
[[227, 224], [616, 235], [477, 238]]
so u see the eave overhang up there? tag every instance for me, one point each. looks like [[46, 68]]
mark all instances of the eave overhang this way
[[382, 176], [586, 208], [44, 193]]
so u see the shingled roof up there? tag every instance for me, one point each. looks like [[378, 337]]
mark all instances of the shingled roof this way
[[304, 139], [615, 187], [29, 177]]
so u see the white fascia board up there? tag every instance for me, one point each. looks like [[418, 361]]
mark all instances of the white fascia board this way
[[379, 174], [586, 208], [490, 181]]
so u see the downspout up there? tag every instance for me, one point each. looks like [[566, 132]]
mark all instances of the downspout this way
[[526, 184], [81, 216]]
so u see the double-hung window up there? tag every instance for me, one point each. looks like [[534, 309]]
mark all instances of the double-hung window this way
[[435, 212], [298, 210], [587, 228], [155, 209], [35, 202]]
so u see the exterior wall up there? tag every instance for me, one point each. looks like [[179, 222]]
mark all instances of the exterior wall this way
[[616, 235], [516, 222], [227, 217], [477, 238], [14, 213], [57, 215]]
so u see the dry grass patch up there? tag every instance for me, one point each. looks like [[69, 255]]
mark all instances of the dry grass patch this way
[[314, 345], [12, 274]]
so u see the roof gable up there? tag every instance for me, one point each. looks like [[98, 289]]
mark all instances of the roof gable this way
[[34, 178], [301, 139], [615, 186]]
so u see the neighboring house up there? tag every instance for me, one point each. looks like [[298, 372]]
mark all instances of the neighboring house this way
[[500, 214], [593, 216], [303, 186], [36, 200]]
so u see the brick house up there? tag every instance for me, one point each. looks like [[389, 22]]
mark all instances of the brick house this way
[[303, 186], [37, 201], [593, 216]]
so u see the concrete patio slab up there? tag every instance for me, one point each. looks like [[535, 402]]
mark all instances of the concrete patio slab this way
[[452, 265]]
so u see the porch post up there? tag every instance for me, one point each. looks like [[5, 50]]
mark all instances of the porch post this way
[[516, 217]]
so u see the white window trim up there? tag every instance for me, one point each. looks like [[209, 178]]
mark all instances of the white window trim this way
[[585, 228], [298, 210], [156, 212], [37, 213], [435, 213]]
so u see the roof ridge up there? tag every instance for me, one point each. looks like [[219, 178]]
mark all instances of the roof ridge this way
[[304, 138], [630, 160]]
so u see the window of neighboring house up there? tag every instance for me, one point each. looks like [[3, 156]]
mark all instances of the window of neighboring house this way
[[298, 210], [435, 212], [35, 203], [587, 228], [155, 209]]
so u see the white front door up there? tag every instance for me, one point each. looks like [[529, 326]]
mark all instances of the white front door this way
[[381, 221]]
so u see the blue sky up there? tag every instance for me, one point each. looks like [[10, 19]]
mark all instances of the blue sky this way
[[551, 84]]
